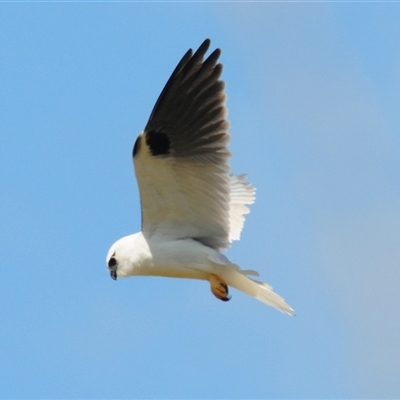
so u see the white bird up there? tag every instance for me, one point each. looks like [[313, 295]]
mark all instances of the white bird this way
[[192, 207]]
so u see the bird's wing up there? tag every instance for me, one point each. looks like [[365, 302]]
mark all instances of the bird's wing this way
[[242, 194], [182, 161]]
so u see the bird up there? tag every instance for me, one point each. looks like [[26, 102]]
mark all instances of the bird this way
[[192, 206]]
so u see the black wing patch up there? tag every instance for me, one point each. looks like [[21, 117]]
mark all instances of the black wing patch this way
[[158, 142]]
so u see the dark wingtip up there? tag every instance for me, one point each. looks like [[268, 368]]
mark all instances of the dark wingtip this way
[[206, 42], [203, 48]]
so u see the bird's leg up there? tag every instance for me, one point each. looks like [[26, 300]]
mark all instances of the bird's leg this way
[[219, 288]]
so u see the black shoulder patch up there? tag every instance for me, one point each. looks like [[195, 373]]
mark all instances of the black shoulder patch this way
[[137, 145], [158, 143]]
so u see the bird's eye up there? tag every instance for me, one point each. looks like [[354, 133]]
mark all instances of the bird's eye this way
[[112, 262]]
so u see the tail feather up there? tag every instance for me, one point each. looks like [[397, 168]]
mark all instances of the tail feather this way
[[261, 291]]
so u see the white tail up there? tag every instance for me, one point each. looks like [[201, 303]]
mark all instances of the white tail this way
[[239, 279]]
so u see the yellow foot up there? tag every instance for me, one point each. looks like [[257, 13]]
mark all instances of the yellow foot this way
[[219, 288]]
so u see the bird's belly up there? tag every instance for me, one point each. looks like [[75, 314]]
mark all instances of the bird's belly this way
[[177, 272], [183, 258]]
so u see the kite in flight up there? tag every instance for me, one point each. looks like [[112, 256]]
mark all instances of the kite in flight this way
[[192, 207]]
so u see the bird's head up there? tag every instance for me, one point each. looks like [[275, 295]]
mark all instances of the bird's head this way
[[126, 256], [112, 265]]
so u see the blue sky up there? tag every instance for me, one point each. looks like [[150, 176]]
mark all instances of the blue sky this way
[[313, 97]]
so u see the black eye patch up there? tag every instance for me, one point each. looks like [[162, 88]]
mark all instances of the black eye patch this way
[[112, 262]]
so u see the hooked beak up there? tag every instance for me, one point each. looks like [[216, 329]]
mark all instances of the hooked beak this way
[[113, 274]]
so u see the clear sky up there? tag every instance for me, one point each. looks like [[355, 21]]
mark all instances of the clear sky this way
[[313, 97]]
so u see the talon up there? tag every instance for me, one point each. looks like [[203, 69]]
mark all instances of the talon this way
[[219, 288]]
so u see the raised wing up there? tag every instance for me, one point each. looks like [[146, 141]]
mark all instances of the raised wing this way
[[181, 159]]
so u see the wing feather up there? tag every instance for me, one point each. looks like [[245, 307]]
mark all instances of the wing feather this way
[[242, 194], [182, 160]]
